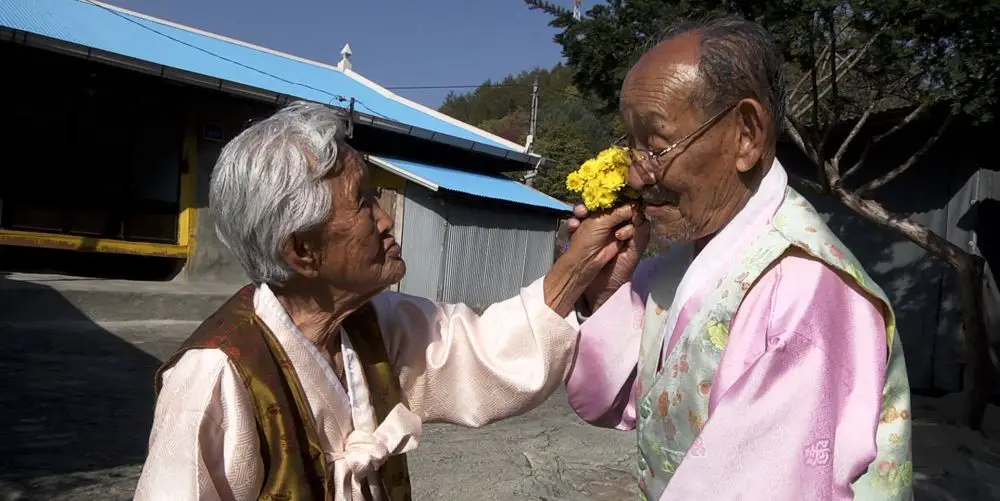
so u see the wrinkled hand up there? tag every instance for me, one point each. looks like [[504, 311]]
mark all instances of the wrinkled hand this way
[[597, 241], [602, 237], [618, 270]]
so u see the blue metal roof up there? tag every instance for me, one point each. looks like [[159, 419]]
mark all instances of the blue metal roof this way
[[121, 32], [470, 183]]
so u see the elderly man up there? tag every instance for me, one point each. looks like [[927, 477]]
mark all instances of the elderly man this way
[[312, 383], [755, 357]]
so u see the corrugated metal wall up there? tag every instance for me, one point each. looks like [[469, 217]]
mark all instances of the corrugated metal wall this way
[[490, 251], [422, 241]]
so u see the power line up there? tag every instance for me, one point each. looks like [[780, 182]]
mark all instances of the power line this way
[[337, 97], [334, 97], [429, 87], [563, 92]]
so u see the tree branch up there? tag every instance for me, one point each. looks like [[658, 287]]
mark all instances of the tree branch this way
[[809, 183], [814, 76], [854, 132], [803, 105], [835, 118], [903, 123], [793, 94], [910, 162], [792, 128], [822, 186], [833, 71]]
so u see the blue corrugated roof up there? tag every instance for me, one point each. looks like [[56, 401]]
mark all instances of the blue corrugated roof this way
[[120, 32], [471, 183], [117, 31]]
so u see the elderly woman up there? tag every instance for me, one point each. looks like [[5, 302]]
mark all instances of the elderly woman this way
[[312, 383]]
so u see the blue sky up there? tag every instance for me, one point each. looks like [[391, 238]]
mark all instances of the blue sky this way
[[395, 42]]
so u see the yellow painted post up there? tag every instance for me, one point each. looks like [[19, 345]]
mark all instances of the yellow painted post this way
[[187, 226]]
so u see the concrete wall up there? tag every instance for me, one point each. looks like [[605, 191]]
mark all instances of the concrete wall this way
[[215, 113]]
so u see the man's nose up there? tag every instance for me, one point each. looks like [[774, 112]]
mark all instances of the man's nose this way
[[639, 178]]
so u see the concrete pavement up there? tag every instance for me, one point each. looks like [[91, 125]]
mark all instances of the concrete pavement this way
[[76, 368]]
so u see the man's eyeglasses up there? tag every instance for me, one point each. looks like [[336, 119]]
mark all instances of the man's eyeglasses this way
[[648, 161]]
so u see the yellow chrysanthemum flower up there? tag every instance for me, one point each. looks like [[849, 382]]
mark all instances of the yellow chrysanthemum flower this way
[[613, 181], [574, 182], [601, 179]]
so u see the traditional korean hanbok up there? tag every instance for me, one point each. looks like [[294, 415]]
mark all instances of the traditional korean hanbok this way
[[248, 408], [764, 367]]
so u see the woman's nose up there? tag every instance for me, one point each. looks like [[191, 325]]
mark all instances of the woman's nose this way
[[383, 220]]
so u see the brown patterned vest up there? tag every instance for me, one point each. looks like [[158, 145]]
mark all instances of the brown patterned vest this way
[[294, 465]]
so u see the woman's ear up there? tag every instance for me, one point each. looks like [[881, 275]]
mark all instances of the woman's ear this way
[[752, 123], [301, 253]]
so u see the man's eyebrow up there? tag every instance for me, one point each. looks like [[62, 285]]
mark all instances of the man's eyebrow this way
[[655, 123]]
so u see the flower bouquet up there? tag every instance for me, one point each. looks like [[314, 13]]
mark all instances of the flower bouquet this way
[[601, 181]]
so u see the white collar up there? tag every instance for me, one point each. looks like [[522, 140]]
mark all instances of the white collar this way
[[273, 314]]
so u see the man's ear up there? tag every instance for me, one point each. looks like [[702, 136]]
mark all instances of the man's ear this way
[[301, 253], [752, 123]]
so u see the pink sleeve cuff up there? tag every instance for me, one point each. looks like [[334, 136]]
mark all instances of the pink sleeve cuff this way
[[600, 384]]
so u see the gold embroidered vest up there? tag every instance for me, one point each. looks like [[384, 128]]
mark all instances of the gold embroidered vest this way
[[294, 465]]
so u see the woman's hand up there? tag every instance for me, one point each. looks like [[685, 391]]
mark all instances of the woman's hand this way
[[618, 270], [597, 241]]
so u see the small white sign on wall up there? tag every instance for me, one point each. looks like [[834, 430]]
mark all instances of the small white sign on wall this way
[[214, 132]]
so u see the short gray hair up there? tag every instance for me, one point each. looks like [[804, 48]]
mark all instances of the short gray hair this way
[[268, 184], [739, 59]]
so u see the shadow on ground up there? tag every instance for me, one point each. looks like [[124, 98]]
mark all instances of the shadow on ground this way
[[952, 462], [75, 399]]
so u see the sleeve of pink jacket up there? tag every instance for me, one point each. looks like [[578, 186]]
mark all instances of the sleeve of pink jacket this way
[[601, 381], [463, 368]]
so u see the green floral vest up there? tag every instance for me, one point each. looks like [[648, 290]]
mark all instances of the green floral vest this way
[[667, 437]]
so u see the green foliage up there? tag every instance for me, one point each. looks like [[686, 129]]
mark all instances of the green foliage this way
[[495, 100], [567, 145], [607, 41], [570, 129], [908, 52]]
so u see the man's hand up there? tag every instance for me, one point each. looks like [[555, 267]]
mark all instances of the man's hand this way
[[619, 269], [597, 240]]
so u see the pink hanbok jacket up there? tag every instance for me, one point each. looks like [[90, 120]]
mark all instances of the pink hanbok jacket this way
[[806, 357], [454, 366]]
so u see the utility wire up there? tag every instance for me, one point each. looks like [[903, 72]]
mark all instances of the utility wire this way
[[426, 87], [334, 97], [563, 92]]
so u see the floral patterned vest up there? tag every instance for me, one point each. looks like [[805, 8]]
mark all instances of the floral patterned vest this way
[[668, 433]]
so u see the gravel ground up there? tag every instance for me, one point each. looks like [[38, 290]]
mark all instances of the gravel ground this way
[[77, 404]]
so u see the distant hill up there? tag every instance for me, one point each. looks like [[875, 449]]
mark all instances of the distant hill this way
[[570, 126]]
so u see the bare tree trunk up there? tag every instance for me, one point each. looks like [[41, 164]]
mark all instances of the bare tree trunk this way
[[969, 270]]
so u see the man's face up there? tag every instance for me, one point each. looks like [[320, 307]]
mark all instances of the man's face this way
[[698, 184]]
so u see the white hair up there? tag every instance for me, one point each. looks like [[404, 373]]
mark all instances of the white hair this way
[[268, 184]]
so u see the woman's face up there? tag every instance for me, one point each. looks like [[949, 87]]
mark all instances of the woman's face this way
[[358, 252]]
